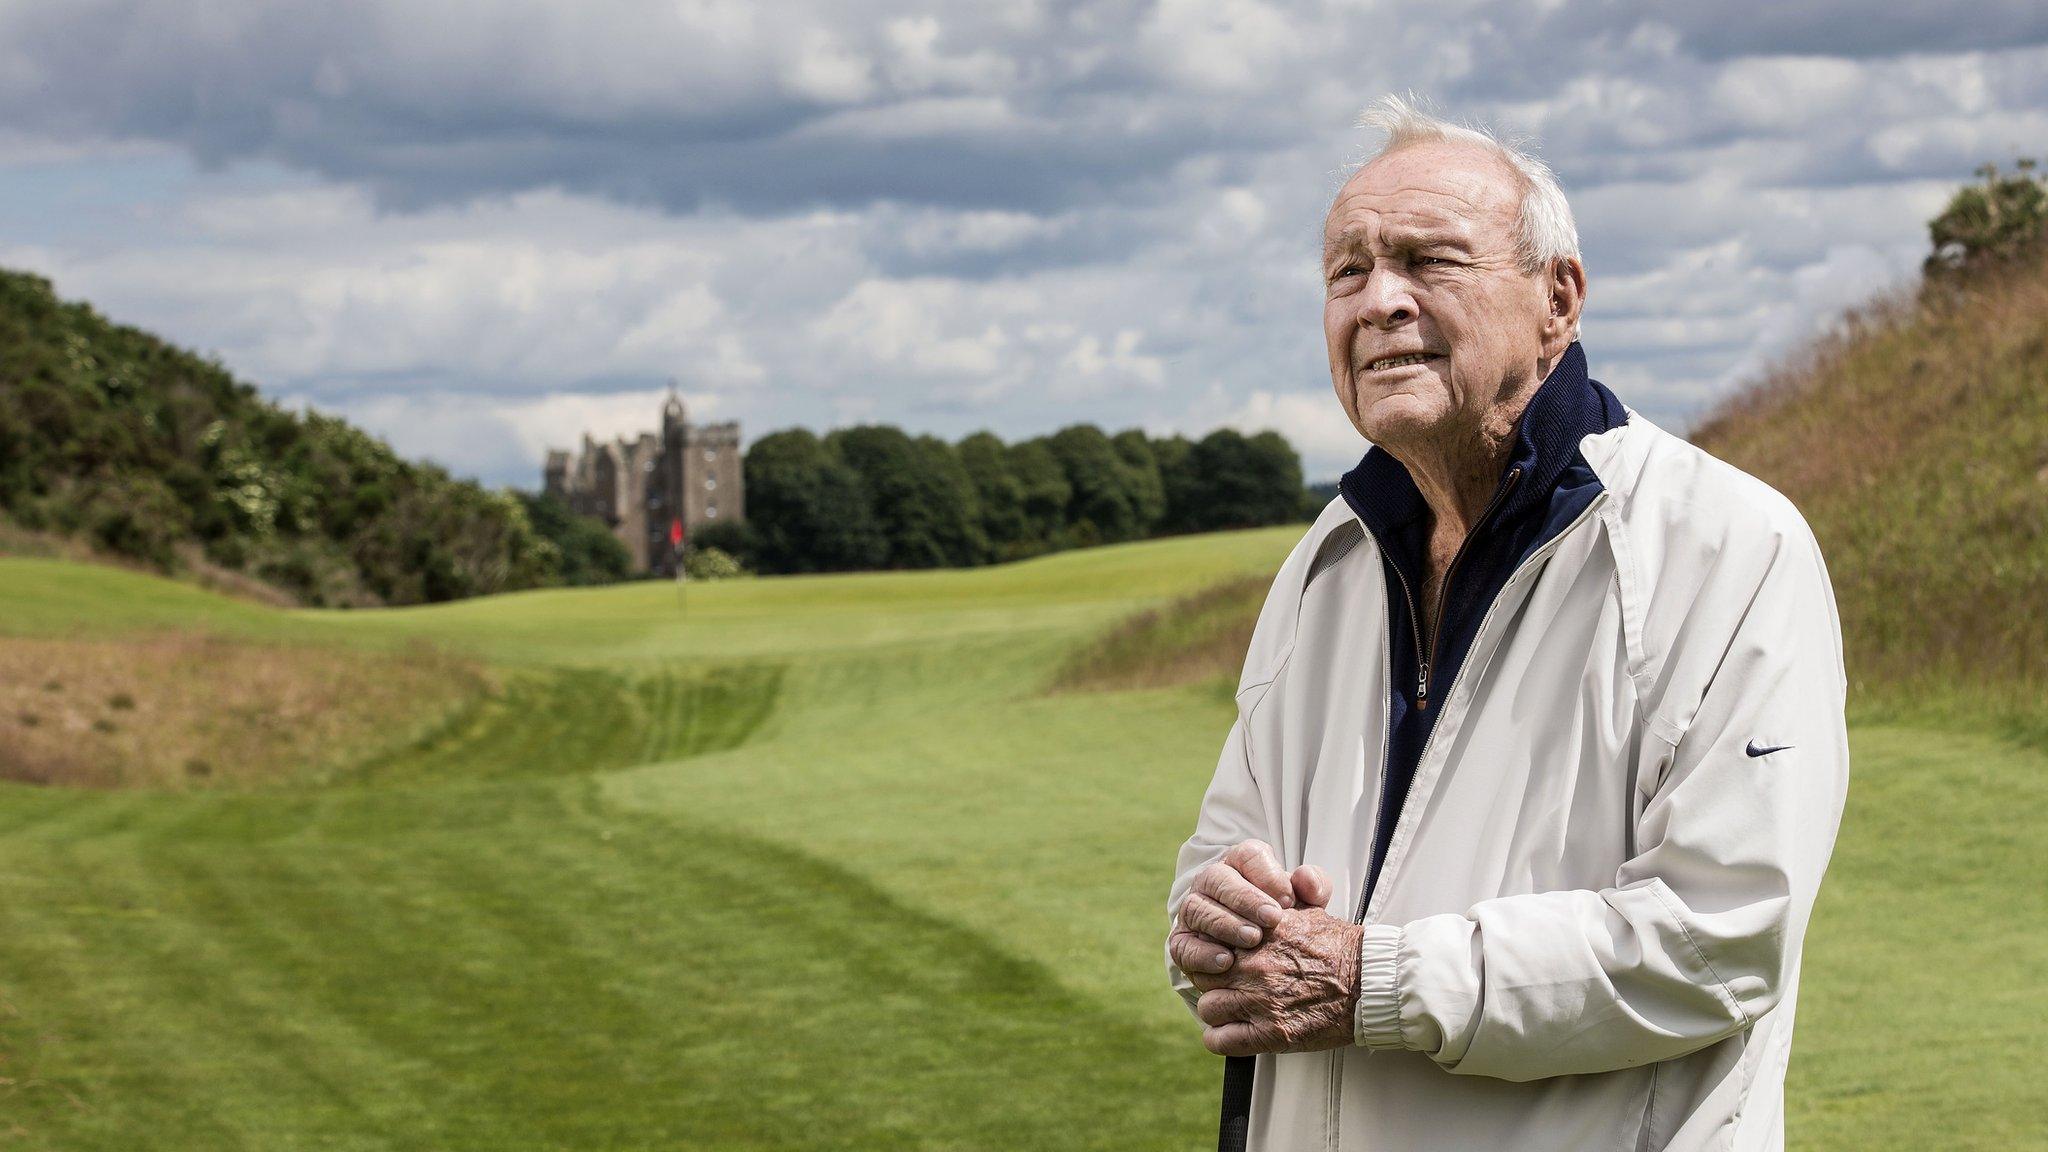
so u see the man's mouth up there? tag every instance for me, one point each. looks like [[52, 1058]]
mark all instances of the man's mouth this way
[[1399, 361]]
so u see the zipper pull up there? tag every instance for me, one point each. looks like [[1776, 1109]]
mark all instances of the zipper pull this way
[[1422, 687]]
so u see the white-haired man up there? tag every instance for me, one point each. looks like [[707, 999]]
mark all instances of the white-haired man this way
[[1540, 749]]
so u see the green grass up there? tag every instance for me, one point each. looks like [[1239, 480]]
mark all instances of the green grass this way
[[1921, 997], [814, 863]]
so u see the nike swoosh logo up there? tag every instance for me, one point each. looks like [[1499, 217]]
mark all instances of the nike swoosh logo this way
[[1753, 750]]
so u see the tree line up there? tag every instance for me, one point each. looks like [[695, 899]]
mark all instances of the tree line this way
[[875, 496]]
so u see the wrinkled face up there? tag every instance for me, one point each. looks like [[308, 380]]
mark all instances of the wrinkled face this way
[[1429, 319]]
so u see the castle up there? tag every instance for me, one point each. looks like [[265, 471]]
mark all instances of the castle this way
[[654, 489]]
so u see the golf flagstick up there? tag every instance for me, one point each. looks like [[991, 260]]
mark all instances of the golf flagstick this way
[[677, 541]]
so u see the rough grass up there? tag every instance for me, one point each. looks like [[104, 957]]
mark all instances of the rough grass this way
[[1915, 440], [1198, 638], [917, 904], [182, 710]]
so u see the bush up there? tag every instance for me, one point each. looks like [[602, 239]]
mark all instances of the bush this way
[[586, 552], [735, 538], [1991, 221], [134, 516], [712, 564]]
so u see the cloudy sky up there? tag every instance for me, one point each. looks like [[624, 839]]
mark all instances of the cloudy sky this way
[[480, 229]]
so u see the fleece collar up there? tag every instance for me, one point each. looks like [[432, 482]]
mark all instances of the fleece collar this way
[[1568, 406]]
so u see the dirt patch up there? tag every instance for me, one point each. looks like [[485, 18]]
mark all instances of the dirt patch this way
[[182, 711], [1200, 637]]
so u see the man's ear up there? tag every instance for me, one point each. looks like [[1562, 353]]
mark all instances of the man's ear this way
[[1566, 286]]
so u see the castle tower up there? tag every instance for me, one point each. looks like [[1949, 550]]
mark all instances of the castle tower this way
[[643, 487]]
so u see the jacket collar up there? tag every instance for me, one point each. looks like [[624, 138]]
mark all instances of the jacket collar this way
[[1568, 406]]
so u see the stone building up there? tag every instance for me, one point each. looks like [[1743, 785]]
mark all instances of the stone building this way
[[645, 486]]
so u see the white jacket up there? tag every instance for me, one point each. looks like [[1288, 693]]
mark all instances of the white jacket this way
[[1587, 930]]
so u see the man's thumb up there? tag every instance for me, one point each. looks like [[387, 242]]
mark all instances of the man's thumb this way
[[1312, 887]]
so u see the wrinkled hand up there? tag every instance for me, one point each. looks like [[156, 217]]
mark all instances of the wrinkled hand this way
[[1233, 902], [1297, 992]]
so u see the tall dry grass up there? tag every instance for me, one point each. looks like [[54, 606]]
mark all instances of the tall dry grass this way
[[183, 711], [1200, 637], [1915, 440]]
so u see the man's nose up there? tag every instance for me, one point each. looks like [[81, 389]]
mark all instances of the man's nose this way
[[1386, 302]]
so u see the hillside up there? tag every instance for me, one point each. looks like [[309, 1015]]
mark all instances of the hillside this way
[[1915, 440], [148, 452]]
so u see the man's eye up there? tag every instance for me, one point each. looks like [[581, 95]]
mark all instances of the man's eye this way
[[1349, 270], [1431, 260]]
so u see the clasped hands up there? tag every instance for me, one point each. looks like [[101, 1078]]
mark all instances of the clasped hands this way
[[1277, 972]]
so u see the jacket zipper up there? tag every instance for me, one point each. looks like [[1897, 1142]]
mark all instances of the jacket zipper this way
[[1555, 542], [1443, 593], [1414, 625], [1424, 659]]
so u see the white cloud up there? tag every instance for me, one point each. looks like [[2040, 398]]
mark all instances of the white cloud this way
[[917, 64], [1089, 359], [1224, 45], [826, 71], [1813, 297], [910, 325]]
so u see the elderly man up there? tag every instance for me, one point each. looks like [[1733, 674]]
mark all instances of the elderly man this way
[[1539, 752]]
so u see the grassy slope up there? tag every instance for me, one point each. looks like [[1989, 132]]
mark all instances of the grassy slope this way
[[1916, 442], [917, 905]]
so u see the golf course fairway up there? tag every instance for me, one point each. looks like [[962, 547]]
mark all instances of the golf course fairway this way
[[809, 863]]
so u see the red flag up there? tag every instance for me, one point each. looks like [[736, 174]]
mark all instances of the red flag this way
[[675, 533]]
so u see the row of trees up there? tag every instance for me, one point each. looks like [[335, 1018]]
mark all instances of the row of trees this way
[[877, 497]]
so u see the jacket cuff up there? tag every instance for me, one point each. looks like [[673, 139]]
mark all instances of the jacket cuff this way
[[1378, 1020]]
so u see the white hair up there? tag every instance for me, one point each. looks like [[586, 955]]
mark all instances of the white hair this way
[[1544, 230]]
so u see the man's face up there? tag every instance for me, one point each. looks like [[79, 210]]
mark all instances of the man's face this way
[[1419, 260]]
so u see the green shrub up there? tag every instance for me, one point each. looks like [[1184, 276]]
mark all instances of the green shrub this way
[[711, 564], [1991, 221]]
